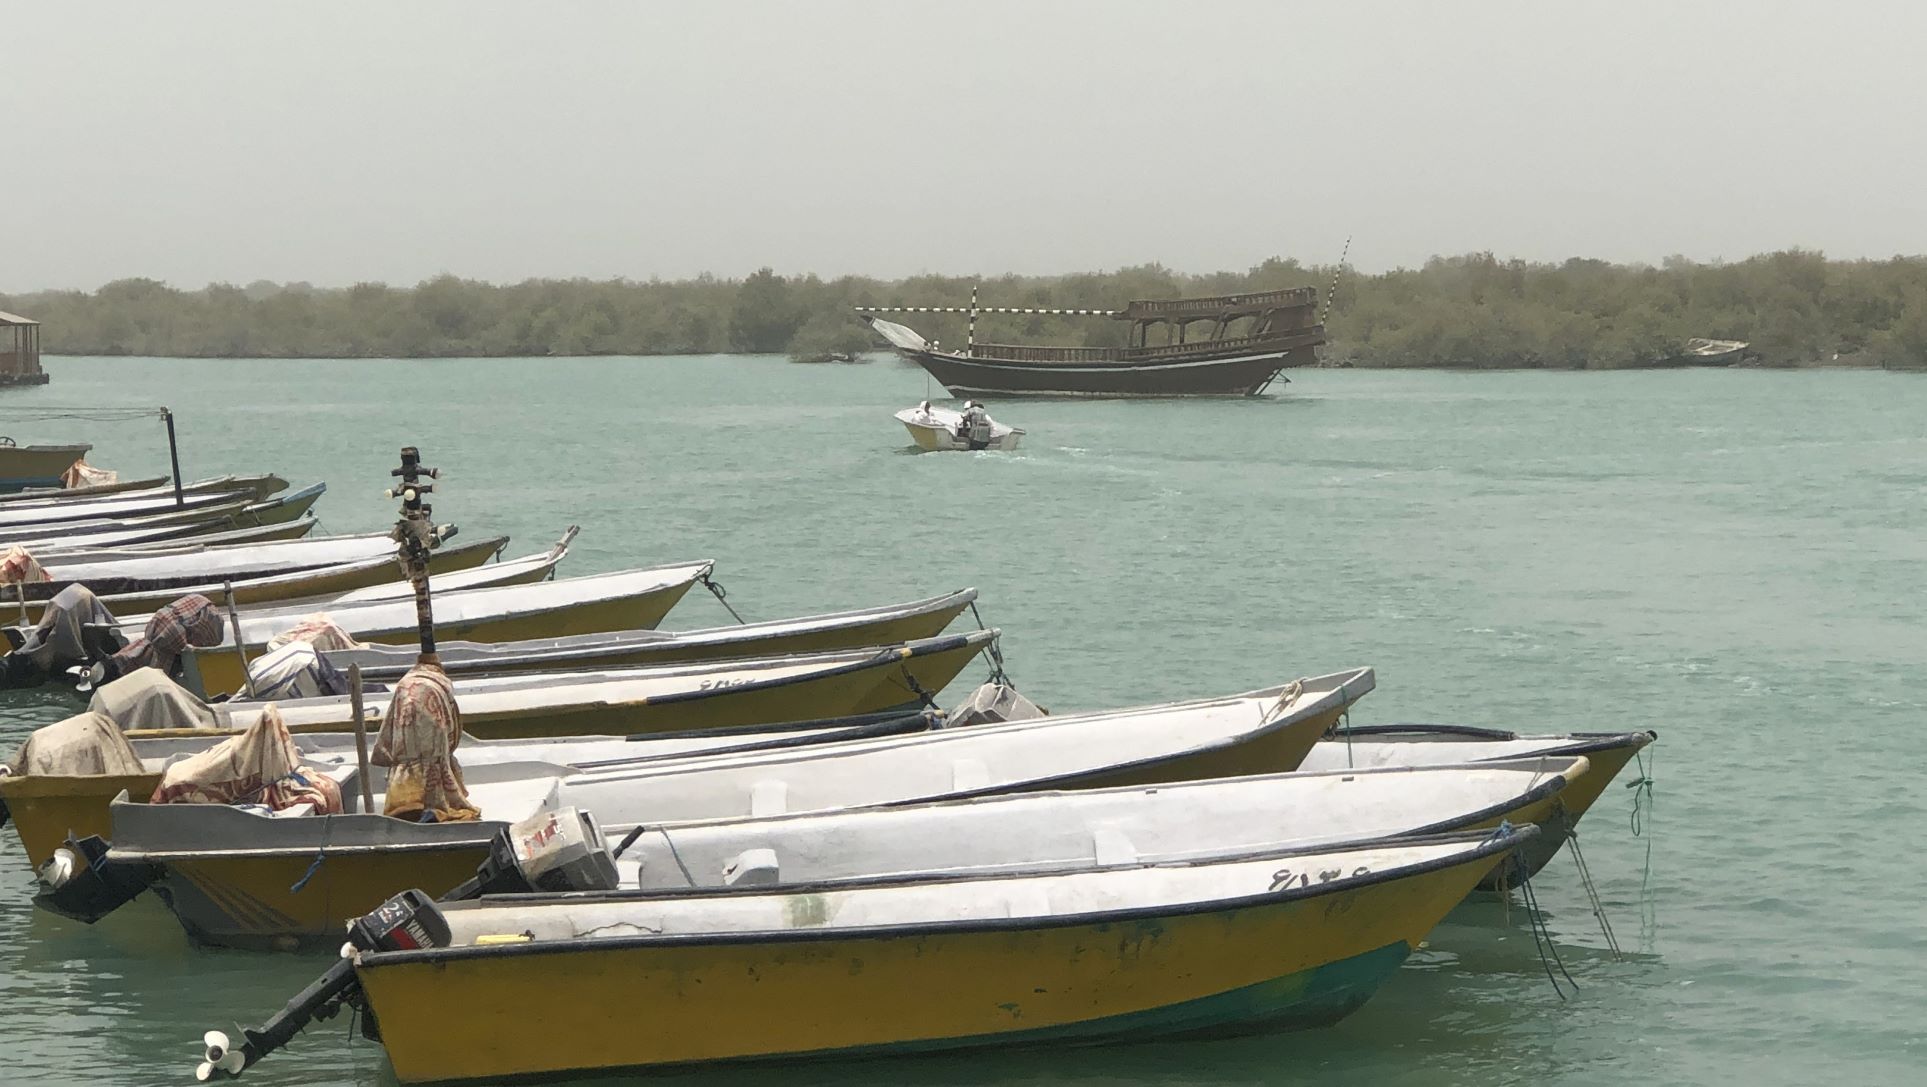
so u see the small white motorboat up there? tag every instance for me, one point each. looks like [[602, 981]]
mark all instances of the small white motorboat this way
[[972, 428]]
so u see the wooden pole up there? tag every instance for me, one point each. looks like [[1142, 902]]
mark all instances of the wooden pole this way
[[240, 647], [361, 737]]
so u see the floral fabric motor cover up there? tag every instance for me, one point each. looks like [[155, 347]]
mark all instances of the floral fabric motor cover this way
[[19, 567], [260, 766], [419, 734]]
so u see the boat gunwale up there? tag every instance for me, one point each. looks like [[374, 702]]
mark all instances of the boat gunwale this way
[[1481, 845], [1568, 743], [1266, 726], [711, 635]]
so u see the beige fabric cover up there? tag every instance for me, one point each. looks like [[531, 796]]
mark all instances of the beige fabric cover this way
[[318, 630], [260, 766], [19, 565], [147, 698], [87, 743], [82, 474]]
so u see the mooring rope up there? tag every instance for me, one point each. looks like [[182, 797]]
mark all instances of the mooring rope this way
[[992, 652], [1592, 892], [1548, 951], [721, 595], [321, 854], [90, 415]]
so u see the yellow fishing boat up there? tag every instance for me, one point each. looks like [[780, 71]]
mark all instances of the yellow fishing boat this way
[[598, 604], [1245, 944], [886, 625], [228, 874], [283, 589]]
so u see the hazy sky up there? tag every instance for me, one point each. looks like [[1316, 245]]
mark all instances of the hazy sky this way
[[340, 142]]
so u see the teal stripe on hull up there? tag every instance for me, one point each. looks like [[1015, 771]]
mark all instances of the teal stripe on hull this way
[[1310, 998]]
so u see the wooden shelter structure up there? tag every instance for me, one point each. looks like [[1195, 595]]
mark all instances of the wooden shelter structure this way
[[20, 351]]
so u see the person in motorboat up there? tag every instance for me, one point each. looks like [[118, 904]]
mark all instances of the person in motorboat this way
[[973, 429]]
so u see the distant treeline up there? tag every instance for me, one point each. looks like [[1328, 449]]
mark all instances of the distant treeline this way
[[1795, 308]]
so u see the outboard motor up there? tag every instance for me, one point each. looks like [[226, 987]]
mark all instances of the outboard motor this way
[[78, 881], [406, 922], [560, 850]]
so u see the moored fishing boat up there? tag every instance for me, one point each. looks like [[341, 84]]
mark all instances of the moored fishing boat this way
[[779, 637], [193, 568], [1252, 336], [174, 540], [1253, 943], [141, 596], [227, 873], [599, 603], [258, 487], [1064, 830], [24, 466], [1408, 745], [232, 513], [935, 429], [48, 806], [664, 698], [22, 515]]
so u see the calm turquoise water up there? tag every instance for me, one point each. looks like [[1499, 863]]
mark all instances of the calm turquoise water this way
[[1733, 558]]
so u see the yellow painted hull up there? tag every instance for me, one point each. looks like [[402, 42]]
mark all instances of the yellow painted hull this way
[[248, 903], [889, 631], [1277, 965], [272, 592], [45, 810], [220, 668], [870, 690], [1277, 751]]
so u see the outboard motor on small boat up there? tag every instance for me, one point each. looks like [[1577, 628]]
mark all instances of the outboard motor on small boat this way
[[405, 922], [79, 882], [560, 850]]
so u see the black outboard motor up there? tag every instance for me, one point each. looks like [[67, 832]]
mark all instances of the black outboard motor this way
[[560, 850], [79, 882], [406, 922]]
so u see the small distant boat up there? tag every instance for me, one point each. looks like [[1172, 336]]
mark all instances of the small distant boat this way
[[936, 429], [1704, 352]]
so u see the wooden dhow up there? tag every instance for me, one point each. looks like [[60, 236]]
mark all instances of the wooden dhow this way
[[1250, 338]]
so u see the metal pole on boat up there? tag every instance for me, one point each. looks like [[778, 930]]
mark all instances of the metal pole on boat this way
[[240, 647], [361, 737], [970, 336], [174, 457], [416, 535]]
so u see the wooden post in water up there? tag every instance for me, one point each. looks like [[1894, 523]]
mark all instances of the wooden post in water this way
[[361, 737], [415, 536], [174, 457]]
